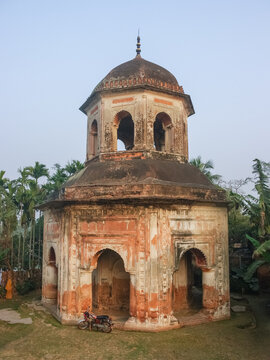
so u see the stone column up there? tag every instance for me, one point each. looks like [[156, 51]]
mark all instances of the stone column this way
[[139, 124], [150, 119]]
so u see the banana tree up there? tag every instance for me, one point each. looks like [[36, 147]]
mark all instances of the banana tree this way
[[261, 256], [259, 207]]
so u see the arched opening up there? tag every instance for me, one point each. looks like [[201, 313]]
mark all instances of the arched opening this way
[[51, 278], [110, 283], [52, 258], [125, 130], [187, 283], [162, 132], [93, 139]]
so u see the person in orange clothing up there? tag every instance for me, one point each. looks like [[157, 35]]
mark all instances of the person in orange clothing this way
[[9, 289]]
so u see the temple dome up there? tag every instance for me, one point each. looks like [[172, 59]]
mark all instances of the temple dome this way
[[137, 73]]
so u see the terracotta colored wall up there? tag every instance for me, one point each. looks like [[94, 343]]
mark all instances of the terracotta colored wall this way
[[143, 108], [150, 240]]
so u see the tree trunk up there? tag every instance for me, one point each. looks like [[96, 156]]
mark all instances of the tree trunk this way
[[34, 241], [19, 250], [39, 240], [23, 247], [30, 246]]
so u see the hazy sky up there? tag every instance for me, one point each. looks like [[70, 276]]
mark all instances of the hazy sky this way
[[53, 53]]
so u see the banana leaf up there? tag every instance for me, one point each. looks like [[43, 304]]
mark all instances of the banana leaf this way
[[254, 242], [252, 268], [264, 251]]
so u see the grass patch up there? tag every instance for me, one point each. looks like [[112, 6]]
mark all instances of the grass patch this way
[[49, 319], [13, 332], [47, 338]]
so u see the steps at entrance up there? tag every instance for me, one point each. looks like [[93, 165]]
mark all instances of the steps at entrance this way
[[196, 319]]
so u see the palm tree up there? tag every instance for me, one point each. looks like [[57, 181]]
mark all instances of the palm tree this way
[[37, 196], [56, 180], [37, 171], [205, 168], [22, 197], [61, 174], [8, 218], [262, 204], [73, 166]]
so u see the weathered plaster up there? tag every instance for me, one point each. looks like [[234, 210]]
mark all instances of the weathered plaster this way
[[125, 228]]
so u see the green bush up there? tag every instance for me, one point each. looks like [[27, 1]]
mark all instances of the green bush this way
[[26, 286], [2, 292], [239, 283]]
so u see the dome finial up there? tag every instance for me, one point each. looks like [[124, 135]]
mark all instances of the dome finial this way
[[138, 50]]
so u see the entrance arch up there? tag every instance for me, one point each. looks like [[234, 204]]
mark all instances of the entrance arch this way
[[110, 283], [188, 281]]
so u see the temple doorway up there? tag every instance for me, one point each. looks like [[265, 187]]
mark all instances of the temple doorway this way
[[110, 284], [187, 283]]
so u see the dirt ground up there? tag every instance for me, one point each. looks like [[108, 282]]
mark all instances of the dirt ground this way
[[245, 337]]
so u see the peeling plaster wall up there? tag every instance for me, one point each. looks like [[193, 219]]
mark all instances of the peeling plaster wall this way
[[52, 233], [151, 241], [143, 107]]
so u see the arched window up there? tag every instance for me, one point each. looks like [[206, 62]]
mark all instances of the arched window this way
[[93, 139], [162, 132], [125, 130]]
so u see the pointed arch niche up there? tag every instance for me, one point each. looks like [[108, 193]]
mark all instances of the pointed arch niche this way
[[50, 290], [93, 139], [123, 131], [163, 140]]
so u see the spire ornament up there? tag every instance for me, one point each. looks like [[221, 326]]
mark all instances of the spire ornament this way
[[138, 50]]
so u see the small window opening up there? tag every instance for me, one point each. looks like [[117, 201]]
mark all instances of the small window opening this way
[[162, 135], [94, 138], [125, 131], [52, 258]]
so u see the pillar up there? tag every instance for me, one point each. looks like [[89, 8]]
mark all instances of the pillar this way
[[132, 296], [210, 293]]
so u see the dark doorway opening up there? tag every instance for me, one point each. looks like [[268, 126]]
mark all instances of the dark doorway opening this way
[[111, 283], [187, 283]]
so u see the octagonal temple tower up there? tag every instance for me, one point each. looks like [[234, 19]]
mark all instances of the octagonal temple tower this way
[[139, 233]]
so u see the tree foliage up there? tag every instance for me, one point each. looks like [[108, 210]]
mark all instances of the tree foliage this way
[[21, 224], [206, 168], [261, 255]]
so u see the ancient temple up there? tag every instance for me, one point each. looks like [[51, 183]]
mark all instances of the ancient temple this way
[[139, 230]]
